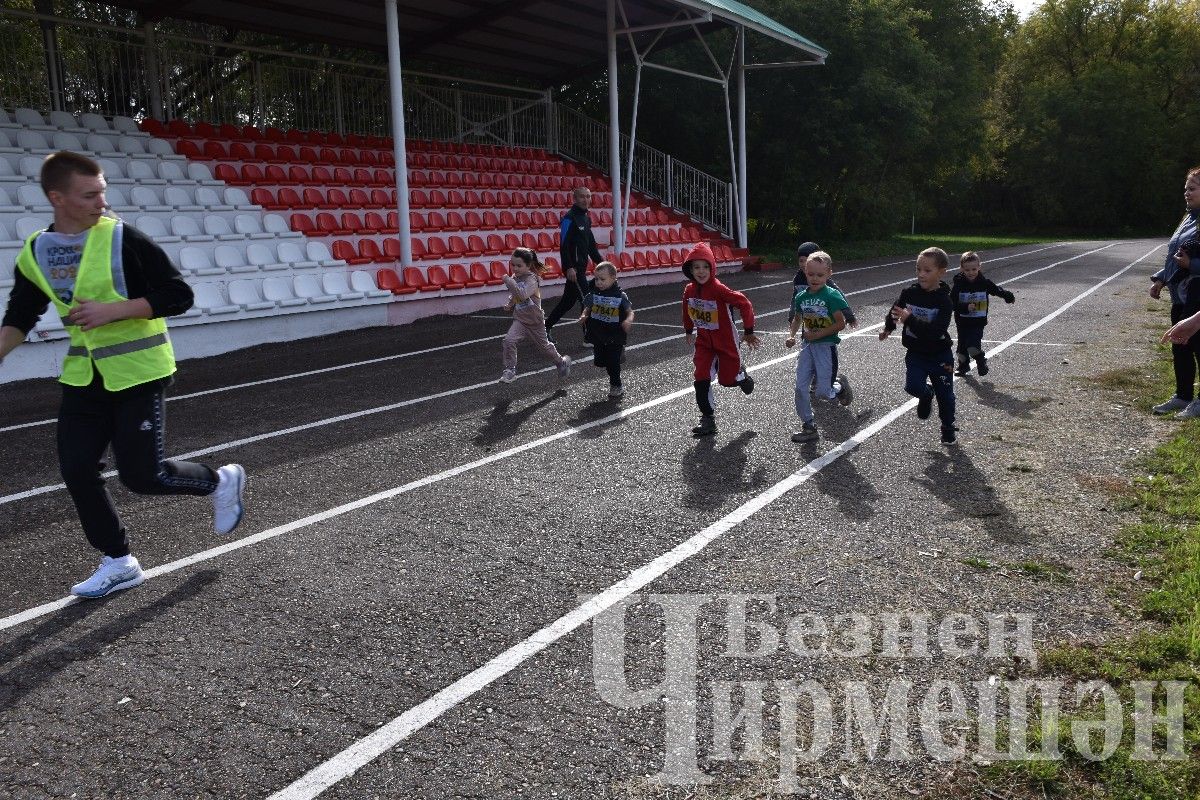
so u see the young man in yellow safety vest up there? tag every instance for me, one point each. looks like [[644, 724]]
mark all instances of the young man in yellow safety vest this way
[[112, 287]]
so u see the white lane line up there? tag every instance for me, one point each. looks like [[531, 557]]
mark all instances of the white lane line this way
[[47, 608], [320, 423], [426, 351], [383, 739]]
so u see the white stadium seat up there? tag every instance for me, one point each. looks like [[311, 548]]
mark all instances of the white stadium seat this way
[[334, 282], [245, 293], [290, 253], [259, 255], [195, 261], [364, 282], [211, 299], [231, 258], [308, 287], [187, 227], [280, 290]]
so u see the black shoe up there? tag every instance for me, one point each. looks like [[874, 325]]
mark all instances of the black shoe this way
[[746, 384], [707, 426], [981, 364], [807, 433], [948, 436], [845, 395], [925, 404]]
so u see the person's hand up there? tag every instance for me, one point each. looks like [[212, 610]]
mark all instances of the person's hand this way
[[570, 274], [691, 338], [1182, 331], [91, 314], [789, 341], [751, 340], [627, 326], [583, 318], [1010, 298], [883, 334], [900, 314], [1156, 289]]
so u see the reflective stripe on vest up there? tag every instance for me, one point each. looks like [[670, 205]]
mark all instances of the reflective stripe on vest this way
[[127, 352]]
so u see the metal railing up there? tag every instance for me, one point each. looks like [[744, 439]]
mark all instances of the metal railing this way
[[676, 184], [109, 70]]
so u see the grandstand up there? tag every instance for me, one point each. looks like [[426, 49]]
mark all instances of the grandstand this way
[[293, 231]]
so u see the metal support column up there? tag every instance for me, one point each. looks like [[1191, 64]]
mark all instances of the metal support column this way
[[50, 49], [153, 76], [743, 222], [614, 130], [398, 148]]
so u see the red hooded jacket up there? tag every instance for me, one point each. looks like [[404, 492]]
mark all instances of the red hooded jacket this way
[[706, 305]]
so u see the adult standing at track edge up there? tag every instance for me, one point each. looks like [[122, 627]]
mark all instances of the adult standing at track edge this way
[[112, 287], [577, 245], [1181, 275]]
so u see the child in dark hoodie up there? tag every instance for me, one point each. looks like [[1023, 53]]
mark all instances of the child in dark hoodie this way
[[708, 324], [607, 318], [925, 309], [969, 291]]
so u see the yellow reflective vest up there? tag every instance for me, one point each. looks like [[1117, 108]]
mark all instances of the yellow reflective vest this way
[[127, 352]]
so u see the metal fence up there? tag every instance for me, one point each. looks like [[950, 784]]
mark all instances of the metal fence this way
[[683, 187]]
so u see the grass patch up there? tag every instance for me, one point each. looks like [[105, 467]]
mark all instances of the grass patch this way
[[1165, 546], [1041, 570], [899, 246], [976, 562]]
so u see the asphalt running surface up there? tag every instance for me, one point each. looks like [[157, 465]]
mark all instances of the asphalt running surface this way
[[407, 607]]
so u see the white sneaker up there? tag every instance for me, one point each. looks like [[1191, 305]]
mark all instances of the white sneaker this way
[[1174, 404], [564, 369], [113, 575], [227, 499], [508, 376], [1191, 412]]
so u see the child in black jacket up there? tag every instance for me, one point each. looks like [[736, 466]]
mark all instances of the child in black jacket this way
[[925, 310], [607, 318], [969, 292]]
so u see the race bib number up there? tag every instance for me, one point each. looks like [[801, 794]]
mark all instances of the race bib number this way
[[973, 304], [923, 314], [606, 309], [703, 313]]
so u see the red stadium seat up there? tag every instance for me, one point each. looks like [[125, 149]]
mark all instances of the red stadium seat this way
[[418, 199], [287, 198], [349, 157], [266, 153], [273, 134], [639, 260], [544, 243], [230, 132], [495, 244], [188, 149], [490, 220], [328, 225], [487, 181], [299, 175], [414, 277], [460, 275], [250, 174], [626, 262], [481, 277], [652, 259], [337, 198], [360, 199], [529, 240], [154, 127], [345, 251], [368, 158], [455, 221], [215, 151], [435, 248], [321, 175], [239, 151], [369, 250], [498, 269], [314, 199], [473, 221], [296, 136], [553, 268], [511, 242], [388, 279], [507, 220], [275, 174], [382, 177], [437, 276], [342, 176], [373, 222], [304, 224], [380, 199], [334, 138], [264, 198], [437, 198], [351, 222], [435, 221], [416, 221], [178, 127]]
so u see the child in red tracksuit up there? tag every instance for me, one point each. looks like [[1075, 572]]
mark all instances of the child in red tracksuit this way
[[708, 323]]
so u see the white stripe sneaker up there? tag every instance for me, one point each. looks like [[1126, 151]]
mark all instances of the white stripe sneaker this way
[[227, 499], [113, 575]]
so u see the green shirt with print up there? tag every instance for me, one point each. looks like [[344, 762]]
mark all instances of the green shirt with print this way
[[817, 310]]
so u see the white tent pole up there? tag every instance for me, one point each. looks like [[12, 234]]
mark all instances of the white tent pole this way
[[399, 150], [614, 131]]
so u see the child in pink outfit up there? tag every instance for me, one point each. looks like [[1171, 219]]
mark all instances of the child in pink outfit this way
[[529, 321]]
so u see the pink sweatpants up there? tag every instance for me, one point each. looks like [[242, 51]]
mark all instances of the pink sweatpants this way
[[528, 323]]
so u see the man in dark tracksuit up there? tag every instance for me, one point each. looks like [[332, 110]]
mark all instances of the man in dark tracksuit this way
[[577, 246]]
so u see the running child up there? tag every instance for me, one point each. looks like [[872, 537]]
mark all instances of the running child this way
[[525, 301], [969, 291], [800, 283], [607, 318], [821, 311], [708, 324], [925, 310]]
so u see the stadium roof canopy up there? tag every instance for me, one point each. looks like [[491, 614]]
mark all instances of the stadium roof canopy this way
[[543, 42]]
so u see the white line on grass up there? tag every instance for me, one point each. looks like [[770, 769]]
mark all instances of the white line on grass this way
[[426, 351], [383, 739], [320, 423]]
